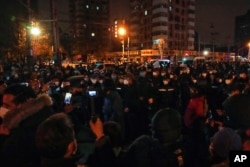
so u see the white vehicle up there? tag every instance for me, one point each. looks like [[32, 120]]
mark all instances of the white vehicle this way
[[199, 60], [161, 63]]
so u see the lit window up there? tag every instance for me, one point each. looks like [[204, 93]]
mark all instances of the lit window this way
[[87, 6], [146, 12], [92, 34], [97, 8], [170, 8]]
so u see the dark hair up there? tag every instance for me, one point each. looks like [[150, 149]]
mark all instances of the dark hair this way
[[166, 125], [113, 131], [108, 84], [54, 135], [21, 92]]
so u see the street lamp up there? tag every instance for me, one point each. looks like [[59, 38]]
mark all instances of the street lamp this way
[[248, 56], [122, 32], [35, 31]]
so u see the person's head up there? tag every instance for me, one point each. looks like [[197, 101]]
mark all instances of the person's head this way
[[156, 72], [94, 79], [128, 79], [35, 84], [108, 85], [113, 131], [3, 86], [195, 90], [166, 126], [114, 75], [17, 94], [143, 72], [55, 137], [223, 141]]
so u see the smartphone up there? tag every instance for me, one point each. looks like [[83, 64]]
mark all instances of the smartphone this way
[[67, 98], [92, 93], [25, 83]]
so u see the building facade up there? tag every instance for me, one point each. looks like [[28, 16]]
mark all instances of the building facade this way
[[90, 26], [162, 24], [242, 33]]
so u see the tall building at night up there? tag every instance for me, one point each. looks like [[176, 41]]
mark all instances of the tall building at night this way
[[90, 26], [242, 33], [169, 24]]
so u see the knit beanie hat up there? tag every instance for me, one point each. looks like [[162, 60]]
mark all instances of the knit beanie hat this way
[[225, 140]]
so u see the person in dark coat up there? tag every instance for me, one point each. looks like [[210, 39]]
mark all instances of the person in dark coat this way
[[25, 112], [237, 108], [112, 106], [130, 105], [163, 147], [56, 142]]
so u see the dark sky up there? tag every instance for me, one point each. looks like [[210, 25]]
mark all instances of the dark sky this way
[[220, 13]]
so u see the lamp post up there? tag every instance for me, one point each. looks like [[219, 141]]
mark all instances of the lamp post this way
[[122, 32], [248, 55], [34, 31]]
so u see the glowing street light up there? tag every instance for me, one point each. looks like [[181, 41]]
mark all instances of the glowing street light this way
[[35, 31], [122, 32], [248, 56]]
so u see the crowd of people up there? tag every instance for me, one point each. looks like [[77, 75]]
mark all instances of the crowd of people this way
[[127, 115]]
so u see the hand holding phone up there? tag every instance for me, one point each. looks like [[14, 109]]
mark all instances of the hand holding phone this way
[[92, 93], [67, 99]]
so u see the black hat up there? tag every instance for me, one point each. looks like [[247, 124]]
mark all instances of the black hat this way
[[166, 125], [108, 84]]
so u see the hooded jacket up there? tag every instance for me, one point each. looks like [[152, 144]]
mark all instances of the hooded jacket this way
[[18, 149]]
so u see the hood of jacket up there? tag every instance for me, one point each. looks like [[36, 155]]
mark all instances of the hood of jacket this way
[[33, 106]]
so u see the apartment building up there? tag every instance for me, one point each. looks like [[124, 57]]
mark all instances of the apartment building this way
[[165, 24], [90, 26]]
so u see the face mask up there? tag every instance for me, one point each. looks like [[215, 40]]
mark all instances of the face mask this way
[[163, 74], [154, 73], [86, 79], [16, 75], [194, 80], [113, 77], [242, 75], [220, 80], [165, 82], [3, 111], [125, 82], [142, 74], [171, 76], [227, 81], [100, 81], [204, 74], [93, 81], [121, 81], [57, 83]]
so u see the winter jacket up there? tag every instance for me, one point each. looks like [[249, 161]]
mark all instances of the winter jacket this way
[[18, 149]]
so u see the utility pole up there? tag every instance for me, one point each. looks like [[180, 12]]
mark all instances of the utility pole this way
[[30, 58], [54, 24]]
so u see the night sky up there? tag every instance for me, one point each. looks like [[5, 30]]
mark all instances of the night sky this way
[[220, 13]]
